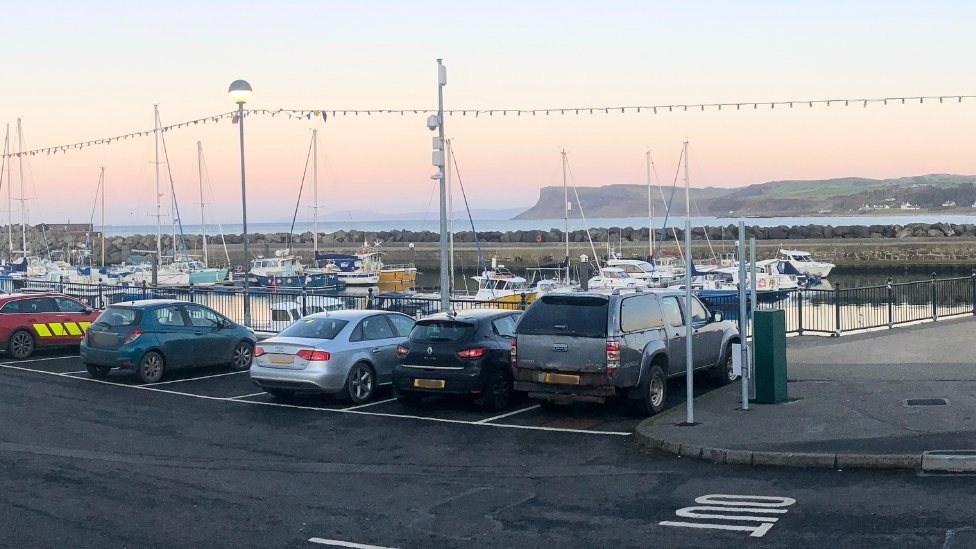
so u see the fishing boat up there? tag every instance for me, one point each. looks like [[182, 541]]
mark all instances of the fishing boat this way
[[361, 269], [285, 270], [805, 264], [501, 286]]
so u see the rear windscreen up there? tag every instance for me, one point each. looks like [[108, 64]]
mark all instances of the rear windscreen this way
[[315, 328], [118, 317], [439, 331], [565, 315]]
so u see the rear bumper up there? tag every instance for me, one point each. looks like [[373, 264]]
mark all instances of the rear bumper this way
[[126, 357], [325, 378], [456, 382], [592, 387]]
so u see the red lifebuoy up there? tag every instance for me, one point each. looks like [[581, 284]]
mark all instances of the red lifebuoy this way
[[538, 238], [239, 269]]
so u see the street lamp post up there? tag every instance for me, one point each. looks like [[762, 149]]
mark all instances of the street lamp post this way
[[240, 92]]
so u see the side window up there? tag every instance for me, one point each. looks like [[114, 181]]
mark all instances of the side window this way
[[169, 316], [402, 324], [202, 318], [672, 312], [376, 327], [698, 313], [69, 305], [39, 305], [12, 307], [640, 313], [504, 326]]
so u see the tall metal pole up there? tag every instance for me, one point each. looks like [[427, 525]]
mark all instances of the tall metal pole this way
[[159, 232], [689, 328], [203, 215], [755, 305], [445, 278], [101, 183], [450, 208], [743, 320], [315, 195], [247, 264], [566, 213], [20, 161]]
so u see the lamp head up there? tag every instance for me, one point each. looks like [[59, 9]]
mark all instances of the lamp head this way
[[240, 91]]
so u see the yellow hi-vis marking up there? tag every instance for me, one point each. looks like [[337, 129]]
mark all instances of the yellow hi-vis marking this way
[[42, 330], [57, 328], [72, 328], [84, 325]]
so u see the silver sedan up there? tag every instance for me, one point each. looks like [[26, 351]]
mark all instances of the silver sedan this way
[[345, 353]]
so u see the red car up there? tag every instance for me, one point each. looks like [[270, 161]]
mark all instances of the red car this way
[[42, 319]]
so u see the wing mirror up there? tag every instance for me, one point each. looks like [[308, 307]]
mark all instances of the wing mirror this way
[[716, 316], [89, 310]]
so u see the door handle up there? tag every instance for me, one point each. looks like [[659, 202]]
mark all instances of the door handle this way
[[377, 349], [198, 333]]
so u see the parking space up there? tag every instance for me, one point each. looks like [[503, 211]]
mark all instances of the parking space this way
[[235, 387]]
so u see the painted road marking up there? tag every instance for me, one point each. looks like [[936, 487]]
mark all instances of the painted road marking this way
[[726, 507], [193, 378], [10, 365], [39, 359], [338, 543], [369, 404], [486, 420], [250, 395]]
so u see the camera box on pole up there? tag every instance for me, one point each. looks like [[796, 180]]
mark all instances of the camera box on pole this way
[[770, 355]]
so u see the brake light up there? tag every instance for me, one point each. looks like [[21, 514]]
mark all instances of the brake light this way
[[312, 356], [477, 352], [401, 351], [258, 351], [132, 336], [613, 356], [513, 352]]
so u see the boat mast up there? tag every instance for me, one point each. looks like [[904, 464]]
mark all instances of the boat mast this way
[[566, 212], [203, 216], [23, 209], [650, 211], [10, 210], [101, 183], [315, 195], [450, 206], [159, 233]]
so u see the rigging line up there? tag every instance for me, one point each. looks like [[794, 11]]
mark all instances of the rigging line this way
[[300, 189], [582, 215], [176, 205], [3, 165], [667, 211], [694, 201], [664, 228], [33, 184], [429, 202], [481, 258], [91, 220], [213, 217]]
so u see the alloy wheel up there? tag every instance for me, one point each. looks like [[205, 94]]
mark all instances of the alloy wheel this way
[[499, 392], [361, 383], [729, 371], [152, 367], [22, 345], [242, 356], [657, 391]]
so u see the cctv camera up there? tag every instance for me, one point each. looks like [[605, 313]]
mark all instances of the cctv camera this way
[[432, 122]]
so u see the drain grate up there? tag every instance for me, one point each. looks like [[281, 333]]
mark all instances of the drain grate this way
[[926, 402]]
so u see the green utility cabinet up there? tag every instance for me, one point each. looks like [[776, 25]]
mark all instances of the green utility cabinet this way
[[770, 348]]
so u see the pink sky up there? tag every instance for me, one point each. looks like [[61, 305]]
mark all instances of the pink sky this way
[[89, 73]]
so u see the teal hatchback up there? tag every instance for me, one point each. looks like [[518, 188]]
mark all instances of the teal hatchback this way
[[155, 336]]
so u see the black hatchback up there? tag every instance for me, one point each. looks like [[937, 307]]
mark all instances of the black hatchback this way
[[466, 354]]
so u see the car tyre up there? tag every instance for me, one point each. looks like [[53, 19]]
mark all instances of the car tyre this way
[[151, 366], [722, 373], [281, 394], [21, 345], [410, 400], [98, 371], [653, 392], [241, 358], [498, 391], [361, 383]]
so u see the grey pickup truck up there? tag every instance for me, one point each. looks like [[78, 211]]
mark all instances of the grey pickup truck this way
[[591, 346]]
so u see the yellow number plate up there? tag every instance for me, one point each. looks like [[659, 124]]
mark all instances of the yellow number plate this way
[[564, 379], [429, 383], [276, 358]]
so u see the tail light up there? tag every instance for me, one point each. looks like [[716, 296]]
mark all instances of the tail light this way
[[132, 336], [476, 352], [401, 351], [258, 351], [613, 356], [513, 352], [311, 356]]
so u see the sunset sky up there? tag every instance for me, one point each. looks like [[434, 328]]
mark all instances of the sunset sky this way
[[78, 71]]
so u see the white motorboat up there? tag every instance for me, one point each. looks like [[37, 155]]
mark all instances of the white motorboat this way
[[614, 278], [805, 264], [499, 284], [652, 275]]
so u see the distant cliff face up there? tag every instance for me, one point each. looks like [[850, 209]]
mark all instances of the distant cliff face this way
[[616, 201]]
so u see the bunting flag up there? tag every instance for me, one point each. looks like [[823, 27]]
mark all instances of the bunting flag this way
[[233, 119]]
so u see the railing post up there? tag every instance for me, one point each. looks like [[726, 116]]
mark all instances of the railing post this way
[[369, 298], [935, 305], [61, 284], [101, 298], [145, 286], [972, 290], [304, 299], [522, 301], [799, 311], [891, 303], [837, 328], [193, 291]]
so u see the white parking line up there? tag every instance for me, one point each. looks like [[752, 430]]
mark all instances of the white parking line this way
[[250, 395], [325, 410], [486, 420], [81, 372], [338, 543], [40, 359], [193, 378], [369, 404]]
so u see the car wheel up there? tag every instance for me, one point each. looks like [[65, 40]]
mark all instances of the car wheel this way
[[21, 345], [498, 392], [241, 359], [410, 400], [361, 382], [98, 371], [282, 394], [654, 392], [722, 374], [151, 367]]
